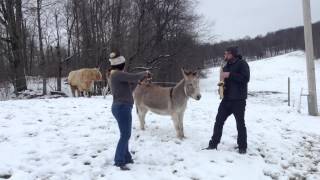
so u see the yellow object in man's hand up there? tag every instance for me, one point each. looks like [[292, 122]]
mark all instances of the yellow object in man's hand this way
[[221, 83]]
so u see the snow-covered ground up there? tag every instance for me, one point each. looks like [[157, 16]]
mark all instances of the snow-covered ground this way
[[34, 84], [75, 138]]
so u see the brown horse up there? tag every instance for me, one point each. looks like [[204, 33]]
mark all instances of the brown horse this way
[[82, 80]]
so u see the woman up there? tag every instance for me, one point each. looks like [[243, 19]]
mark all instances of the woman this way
[[122, 85]]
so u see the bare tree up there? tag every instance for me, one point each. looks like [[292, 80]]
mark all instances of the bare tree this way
[[42, 56], [12, 20], [70, 21], [157, 33], [59, 60]]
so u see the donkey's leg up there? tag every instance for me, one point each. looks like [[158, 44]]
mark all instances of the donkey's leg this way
[[141, 111], [180, 122], [176, 123]]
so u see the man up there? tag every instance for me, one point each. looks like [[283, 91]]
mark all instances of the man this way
[[236, 75]]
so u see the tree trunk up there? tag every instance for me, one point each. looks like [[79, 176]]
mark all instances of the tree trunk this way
[[42, 58], [14, 28], [58, 55], [116, 24]]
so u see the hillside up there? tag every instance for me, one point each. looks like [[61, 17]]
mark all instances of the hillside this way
[[75, 138]]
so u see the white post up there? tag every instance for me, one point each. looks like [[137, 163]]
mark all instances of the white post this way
[[289, 91], [312, 94]]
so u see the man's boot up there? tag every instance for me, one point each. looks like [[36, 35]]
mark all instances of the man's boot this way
[[211, 146]]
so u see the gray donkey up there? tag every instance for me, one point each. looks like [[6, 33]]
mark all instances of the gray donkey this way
[[167, 101]]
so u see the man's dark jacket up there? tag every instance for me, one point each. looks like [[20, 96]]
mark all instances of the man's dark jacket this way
[[236, 86]]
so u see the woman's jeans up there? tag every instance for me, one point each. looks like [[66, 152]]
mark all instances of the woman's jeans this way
[[122, 113]]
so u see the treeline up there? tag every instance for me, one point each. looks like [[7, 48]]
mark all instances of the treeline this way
[[272, 44], [49, 38]]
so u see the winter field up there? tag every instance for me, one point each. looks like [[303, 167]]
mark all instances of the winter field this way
[[75, 138]]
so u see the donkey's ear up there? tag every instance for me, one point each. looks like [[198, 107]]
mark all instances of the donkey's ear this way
[[195, 73], [184, 73], [198, 72]]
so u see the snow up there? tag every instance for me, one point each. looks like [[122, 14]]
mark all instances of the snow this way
[[75, 138], [34, 85]]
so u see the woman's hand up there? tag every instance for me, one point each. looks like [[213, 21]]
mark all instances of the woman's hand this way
[[148, 75]]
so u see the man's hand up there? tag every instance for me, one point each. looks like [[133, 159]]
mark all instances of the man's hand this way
[[225, 75]]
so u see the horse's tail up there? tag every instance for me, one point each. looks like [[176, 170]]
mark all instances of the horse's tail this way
[[66, 81]]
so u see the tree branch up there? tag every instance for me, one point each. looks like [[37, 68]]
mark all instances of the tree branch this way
[[4, 22], [159, 58], [5, 39]]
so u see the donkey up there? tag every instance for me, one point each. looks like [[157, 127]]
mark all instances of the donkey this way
[[167, 101]]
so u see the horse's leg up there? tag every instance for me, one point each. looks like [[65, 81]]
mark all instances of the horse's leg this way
[[91, 89], [80, 93], [77, 91], [89, 93], [73, 91], [83, 93], [86, 93], [176, 122], [104, 92], [141, 111]]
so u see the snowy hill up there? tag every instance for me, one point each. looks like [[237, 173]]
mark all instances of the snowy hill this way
[[75, 138]]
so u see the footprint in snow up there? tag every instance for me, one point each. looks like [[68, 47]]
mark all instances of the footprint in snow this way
[[32, 152], [32, 134], [74, 156], [94, 156], [194, 178], [222, 176], [229, 160], [3, 139], [28, 123], [5, 176]]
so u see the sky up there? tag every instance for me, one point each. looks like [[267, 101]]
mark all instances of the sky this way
[[234, 19]]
